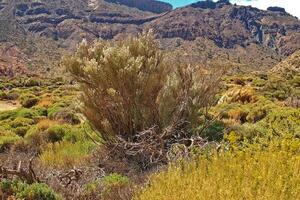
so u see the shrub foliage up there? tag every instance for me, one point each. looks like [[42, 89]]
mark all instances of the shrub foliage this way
[[128, 88]]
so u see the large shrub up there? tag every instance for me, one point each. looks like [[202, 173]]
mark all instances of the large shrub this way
[[128, 89], [121, 82]]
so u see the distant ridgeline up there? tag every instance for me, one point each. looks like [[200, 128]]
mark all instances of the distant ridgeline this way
[[145, 5], [209, 4]]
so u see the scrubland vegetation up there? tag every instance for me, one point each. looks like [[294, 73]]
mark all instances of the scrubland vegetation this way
[[137, 126]]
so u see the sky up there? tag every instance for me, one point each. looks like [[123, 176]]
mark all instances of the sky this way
[[291, 6]]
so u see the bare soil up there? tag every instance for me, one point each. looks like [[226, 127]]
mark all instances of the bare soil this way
[[9, 105]]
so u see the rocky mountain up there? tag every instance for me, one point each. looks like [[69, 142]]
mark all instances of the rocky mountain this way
[[145, 5], [244, 36], [228, 26]]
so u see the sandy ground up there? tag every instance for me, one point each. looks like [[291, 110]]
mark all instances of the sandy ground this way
[[8, 105]]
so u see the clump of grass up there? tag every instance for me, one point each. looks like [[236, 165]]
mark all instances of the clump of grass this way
[[66, 154], [29, 100]]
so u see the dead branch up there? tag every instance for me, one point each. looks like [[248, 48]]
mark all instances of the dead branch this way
[[25, 174], [149, 148], [73, 176]]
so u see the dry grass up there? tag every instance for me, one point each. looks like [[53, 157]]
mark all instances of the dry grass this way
[[45, 124], [45, 102], [269, 174], [65, 154]]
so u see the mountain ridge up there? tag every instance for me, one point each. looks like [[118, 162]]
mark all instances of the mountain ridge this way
[[243, 35]]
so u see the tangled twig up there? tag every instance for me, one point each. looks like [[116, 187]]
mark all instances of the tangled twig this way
[[28, 175]]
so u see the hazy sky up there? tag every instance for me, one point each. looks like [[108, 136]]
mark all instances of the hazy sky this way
[[292, 6]]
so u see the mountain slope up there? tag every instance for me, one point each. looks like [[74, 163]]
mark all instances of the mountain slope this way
[[228, 25], [243, 36], [289, 65]]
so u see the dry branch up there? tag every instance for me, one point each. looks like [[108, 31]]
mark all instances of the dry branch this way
[[25, 174]]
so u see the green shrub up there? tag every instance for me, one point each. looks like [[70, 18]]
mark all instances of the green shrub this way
[[20, 112], [38, 191], [256, 114], [27, 113], [32, 82], [9, 187], [66, 115], [21, 121], [114, 186], [55, 108], [92, 187], [278, 88], [295, 81], [53, 132], [21, 131], [29, 101], [258, 82], [35, 191], [213, 132], [7, 139], [3, 95], [281, 122], [115, 179]]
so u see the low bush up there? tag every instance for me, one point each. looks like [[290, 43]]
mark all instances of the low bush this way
[[239, 94], [29, 101], [115, 179], [20, 190], [44, 124], [56, 133], [20, 112], [277, 88], [53, 109], [116, 186], [21, 131], [46, 102], [66, 115], [48, 131], [3, 95], [7, 139], [213, 131], [21, 121], [30, 82], [113, 186], [13, 95]]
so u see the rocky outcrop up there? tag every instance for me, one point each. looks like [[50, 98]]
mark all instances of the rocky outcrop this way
[[276, 9], [145, 5], [209, 4]]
